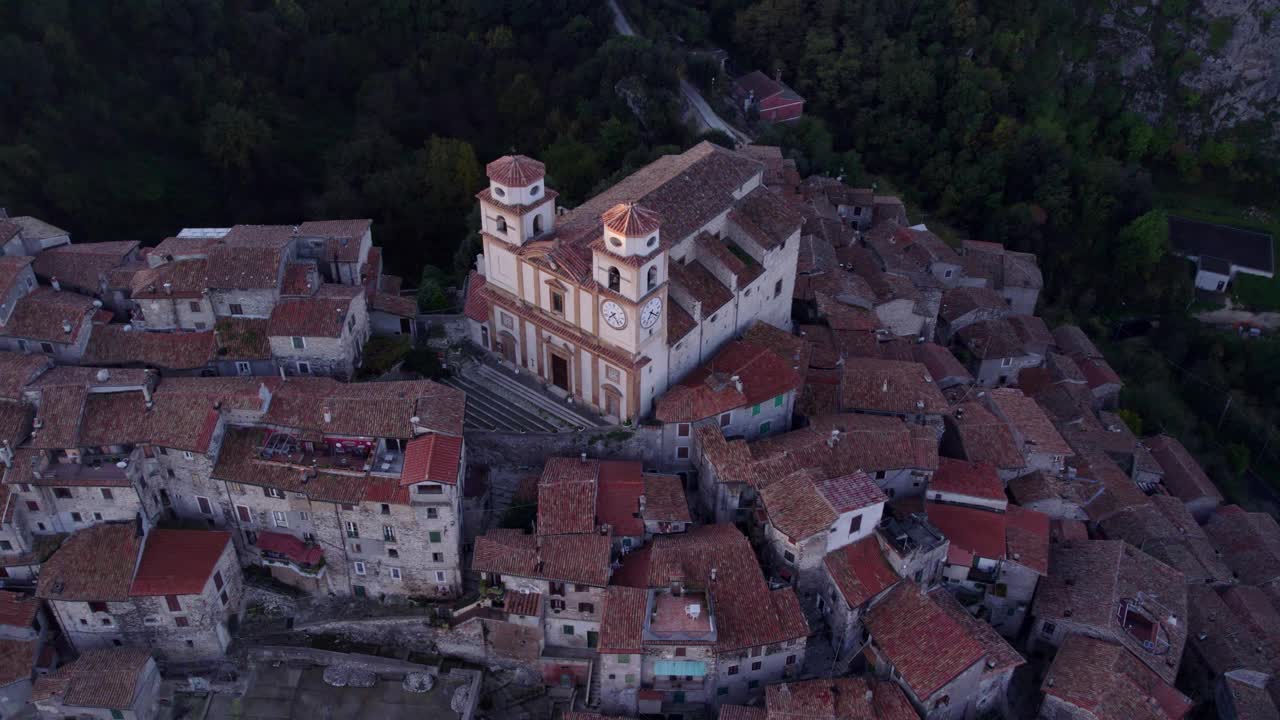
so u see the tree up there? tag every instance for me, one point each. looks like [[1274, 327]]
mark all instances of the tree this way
[[431, 289], [232, 136], [1139, 246]]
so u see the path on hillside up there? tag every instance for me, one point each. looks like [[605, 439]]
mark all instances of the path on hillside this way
[[706, 115]]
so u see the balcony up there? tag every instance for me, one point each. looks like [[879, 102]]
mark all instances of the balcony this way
[[287, 551], [334, 454]]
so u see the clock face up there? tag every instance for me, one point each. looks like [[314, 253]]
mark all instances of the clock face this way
[[614, 314], [650, 313]]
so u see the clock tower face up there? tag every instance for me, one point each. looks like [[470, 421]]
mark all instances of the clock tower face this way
[[650, 313], [614, 314]]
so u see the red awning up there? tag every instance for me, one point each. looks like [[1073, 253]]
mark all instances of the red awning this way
[[291, 547]]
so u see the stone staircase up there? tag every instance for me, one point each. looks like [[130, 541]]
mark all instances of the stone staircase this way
[[501, 401], [593, 688]]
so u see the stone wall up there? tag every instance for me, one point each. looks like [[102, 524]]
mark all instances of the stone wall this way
[[483, 641]]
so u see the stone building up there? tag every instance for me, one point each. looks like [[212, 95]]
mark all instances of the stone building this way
[[746, 390], [26, 235], [690, 622], [615, 301], [856, 577], [24, 649], [321, 333], [1110, 590], [176, 592], [87, 268], [897, 456], [892, 387], [1037, 439], [104, 682], [1014, 276], [17, 278], [52, 322], [806, 516], [837, 698], [950, 664], [975, 434], [1183, 476], [964, 306], [1092, 679], [995, 352]]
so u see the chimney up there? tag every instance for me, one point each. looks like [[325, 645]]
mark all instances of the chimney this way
[[834, 438], [582, 458], [642, 503], [884, 385], [66, 326], [168, 288], [737, 382], [328, 415], [53, 283], [713, 573]]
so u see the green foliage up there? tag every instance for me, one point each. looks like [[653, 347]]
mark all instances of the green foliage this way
[[431, 289], [129, 120], [1132, 419], [426, 362], [1140, 246], [1220, 31], [381, 353]]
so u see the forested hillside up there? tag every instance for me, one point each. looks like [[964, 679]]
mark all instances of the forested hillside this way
[[131, 119]]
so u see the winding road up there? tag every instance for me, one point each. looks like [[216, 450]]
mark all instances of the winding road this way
[[706, 115]]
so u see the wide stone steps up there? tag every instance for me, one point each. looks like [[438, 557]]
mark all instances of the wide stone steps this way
[[487, 410], [506, 384]]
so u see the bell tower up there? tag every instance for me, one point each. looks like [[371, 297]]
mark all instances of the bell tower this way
[[516, 207]]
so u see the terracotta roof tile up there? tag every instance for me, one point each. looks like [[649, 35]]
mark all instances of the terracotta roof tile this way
[[620, 486], [860, 571], [1098, 373], [94, 564], [582, 558], [1166, 530], [1027, 538], [941, 363], [961, 477], [631, 219], [321, 315], [846, 698], [244, 267], [763, 216], [477, 305], [1091, 579], [18, 369], [114, 345], [381, 409], [99, 678], [178, 562], [528, 604], [890, 386], [57, 422], [1183, 476], [1249, 541], [985, 438], [185, 279], [567, 496], [1107, 682], [1247, 693], [18, 610], [710, 389], [83, 265], [11, 267], [393, 304], [622, 621], [960, 301], [1028, 422], [1073, 341], [432, 458], [515, 170], [300, 279], [988, 339], [17, 660], [743, 619], [1001, 656], [976, 532], [928, 646], [40, 315], [694, 278], [342, 237]]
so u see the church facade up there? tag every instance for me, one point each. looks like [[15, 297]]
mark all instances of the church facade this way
[[615, 300]]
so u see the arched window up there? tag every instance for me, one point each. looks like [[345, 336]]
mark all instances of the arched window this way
[[653, 277], [502, 224], [537, 224], [615, 279]]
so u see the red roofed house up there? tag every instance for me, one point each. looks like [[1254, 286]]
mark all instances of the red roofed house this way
[[770, 97], [121, 682], [612, 303], [24, 632], [960, 482], [696, 626], [323, 334], [1110, 590], [747, 390], [950, 664], [56, 323], [1183, 476], [1093, 679], [806, 515], [857, 576], [174, 591], [843, 698]]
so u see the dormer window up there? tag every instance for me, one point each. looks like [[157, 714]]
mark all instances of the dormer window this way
[[499, 191], [615, 278]]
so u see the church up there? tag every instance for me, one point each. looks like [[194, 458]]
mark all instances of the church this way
[[615, 300]]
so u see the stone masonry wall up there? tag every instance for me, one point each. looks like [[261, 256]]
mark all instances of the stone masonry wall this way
[[643, 443]]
